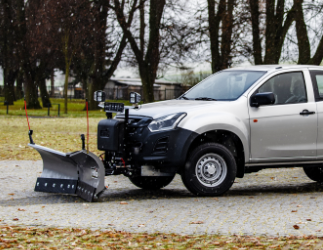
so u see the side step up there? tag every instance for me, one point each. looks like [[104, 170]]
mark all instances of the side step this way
[[79, 173]]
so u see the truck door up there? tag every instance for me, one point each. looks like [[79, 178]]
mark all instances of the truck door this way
[[317, 80], [286, 130]]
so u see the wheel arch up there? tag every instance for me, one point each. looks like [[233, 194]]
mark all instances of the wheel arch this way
[[226, 138]]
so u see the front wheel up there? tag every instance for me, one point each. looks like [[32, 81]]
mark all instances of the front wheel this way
[[151, 182], [314, 173], [210, 170]]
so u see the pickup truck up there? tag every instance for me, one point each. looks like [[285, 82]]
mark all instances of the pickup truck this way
[[236, 121]]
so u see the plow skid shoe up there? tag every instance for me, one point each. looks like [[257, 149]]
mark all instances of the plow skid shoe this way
[[79, 173]]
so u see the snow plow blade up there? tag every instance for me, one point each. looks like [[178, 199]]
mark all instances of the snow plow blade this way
[[79, 173]]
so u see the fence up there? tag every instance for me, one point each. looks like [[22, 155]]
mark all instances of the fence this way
[[119, 93], [122, 93]]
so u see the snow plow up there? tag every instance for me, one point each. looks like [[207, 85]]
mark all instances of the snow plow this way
[[81, 172]]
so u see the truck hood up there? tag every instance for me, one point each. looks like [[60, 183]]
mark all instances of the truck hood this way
[[159, 109]]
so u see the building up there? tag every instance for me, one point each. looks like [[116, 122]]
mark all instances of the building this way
[[119, 88]]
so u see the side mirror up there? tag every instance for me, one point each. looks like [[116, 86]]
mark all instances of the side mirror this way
[[134, 97], [259, 99], [99, 96]]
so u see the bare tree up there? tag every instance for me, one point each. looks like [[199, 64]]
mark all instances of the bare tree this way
[[147, 56], [304, 46]]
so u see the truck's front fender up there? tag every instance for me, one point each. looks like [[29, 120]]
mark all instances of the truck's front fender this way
[[202, 123]]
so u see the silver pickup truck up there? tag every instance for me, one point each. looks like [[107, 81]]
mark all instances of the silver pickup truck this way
[[236, 121]]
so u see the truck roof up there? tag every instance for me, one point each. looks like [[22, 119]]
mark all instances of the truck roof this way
[[276, 67]]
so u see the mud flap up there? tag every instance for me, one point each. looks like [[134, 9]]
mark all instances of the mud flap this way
[[78, 173]]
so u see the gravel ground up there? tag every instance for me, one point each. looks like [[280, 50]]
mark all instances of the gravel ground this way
[[269, 202]]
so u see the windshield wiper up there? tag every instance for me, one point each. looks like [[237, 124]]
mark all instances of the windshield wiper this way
[[205, 99], [183, 97]]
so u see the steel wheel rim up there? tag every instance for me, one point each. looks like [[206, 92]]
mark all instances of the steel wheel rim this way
[[211, 170]]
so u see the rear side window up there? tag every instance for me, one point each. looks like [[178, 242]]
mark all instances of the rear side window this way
[[287, 87], [317, 80]]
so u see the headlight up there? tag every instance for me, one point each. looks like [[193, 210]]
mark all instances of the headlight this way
[[166, 122]]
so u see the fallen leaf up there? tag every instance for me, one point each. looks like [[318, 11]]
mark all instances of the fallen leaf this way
[[251, 197], [36, 212], [141, 225], [299, 206], [197, 222], [309, 219], [216, 243], [123, 203], [42, 206], [21, 209], [15, 219], [296, 227], [294, 211], [11, 194], [318, 230]]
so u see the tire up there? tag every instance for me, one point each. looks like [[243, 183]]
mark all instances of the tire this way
[[210, 170], [314, 173], [151, 182]]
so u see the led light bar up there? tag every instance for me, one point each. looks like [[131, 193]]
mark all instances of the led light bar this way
[[113, 107]]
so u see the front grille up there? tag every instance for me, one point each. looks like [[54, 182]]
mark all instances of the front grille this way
[[161, 146]]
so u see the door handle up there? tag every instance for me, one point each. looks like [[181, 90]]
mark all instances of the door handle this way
[[306, 112]]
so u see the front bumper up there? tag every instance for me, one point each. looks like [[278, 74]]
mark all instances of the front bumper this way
[[165, 150]]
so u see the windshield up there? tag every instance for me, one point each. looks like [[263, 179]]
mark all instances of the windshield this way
[[223, 86]]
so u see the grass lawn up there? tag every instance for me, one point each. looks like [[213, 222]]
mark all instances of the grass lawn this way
[[75, 108], [61, 134], [14, 237]]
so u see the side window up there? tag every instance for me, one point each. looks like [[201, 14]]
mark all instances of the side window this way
[[287, 88], [317, 80]]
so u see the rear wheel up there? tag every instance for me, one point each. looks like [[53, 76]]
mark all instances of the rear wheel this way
[[210, 170], [314, 173], [151, 182]]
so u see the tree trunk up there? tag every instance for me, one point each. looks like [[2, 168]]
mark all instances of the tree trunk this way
[[97, 79], [31, 94], [68, 61], [92, 87], [148, 81], [19, 91], [44, 93], [254, 10], [67, 71], [9, 86], [214, 27], [52, 83]]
